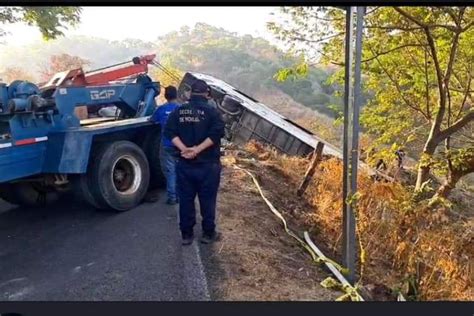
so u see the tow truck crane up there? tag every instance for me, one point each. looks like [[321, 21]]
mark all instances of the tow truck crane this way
[[45, 149]]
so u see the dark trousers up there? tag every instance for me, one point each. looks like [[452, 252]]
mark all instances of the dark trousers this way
[[203, 180]]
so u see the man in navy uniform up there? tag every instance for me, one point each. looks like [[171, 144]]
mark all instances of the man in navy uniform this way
[[196, 129]]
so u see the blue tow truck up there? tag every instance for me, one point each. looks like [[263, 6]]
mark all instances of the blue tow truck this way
[[47, 150]]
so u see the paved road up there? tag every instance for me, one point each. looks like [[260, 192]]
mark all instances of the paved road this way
[[72, 252]]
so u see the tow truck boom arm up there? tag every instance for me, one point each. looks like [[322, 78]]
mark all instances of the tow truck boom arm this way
[[102, 76]]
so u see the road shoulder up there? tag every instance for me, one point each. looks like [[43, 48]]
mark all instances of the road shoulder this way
[[255, 260]]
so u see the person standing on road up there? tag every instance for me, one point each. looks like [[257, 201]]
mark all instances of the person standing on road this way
[[168, 152], [196, 130]]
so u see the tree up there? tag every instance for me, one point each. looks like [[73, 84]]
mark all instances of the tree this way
[[418, 62], [460, 163], [169, 76], [246, 62], [49, 20], [63, 62], [15, 73]]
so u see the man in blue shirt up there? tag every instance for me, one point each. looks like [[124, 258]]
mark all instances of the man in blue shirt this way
[[168, 152], [196, 129]]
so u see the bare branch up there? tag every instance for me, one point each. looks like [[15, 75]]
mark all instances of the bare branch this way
[[442, 95], [431, 44], [451, 14], [415, 60], [452, 28], [427, 86], [391, 50], [302, 39], [462, 91], [464, 99], [467, 27], [399, 90], [452, 57], [329, 20], [371, 11], [459, 124], [462, 88], [409, 17], [394, 27], [329, 58], [378, 54]]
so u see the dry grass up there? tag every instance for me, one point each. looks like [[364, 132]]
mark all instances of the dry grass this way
[[401, 239], [256, 260]]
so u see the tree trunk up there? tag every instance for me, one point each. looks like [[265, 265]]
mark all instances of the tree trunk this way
[[450, 183], [424, 168], [422, 176], [455, 173], [446, 189]]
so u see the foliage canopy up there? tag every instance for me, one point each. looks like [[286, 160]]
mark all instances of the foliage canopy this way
[[417, 62], [51, 21]]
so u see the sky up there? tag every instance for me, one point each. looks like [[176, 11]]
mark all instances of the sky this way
[[147, 23]]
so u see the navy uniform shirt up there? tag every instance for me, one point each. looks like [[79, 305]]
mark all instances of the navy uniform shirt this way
[[195, 121]]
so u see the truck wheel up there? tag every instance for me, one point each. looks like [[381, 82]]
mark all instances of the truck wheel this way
[[151, 147], [118, 176], [82, 191], [29, 194]]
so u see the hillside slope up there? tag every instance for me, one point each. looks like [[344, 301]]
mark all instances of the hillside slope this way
[[246, 62], [404, 245]]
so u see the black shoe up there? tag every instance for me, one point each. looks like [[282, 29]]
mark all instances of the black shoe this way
[[171, 201], [208, 238], [187, 240]]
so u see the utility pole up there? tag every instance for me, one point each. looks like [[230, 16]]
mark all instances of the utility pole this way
[[352, 103]]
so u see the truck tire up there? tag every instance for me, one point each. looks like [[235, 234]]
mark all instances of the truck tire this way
[[118, 176], [29, 194], [151, 146], [82, 191]]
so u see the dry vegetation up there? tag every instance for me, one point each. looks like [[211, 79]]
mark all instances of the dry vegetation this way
[[424, 252], [256, 260]]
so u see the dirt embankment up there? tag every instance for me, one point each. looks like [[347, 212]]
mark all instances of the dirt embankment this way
[[407, 247], [255, 260]]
